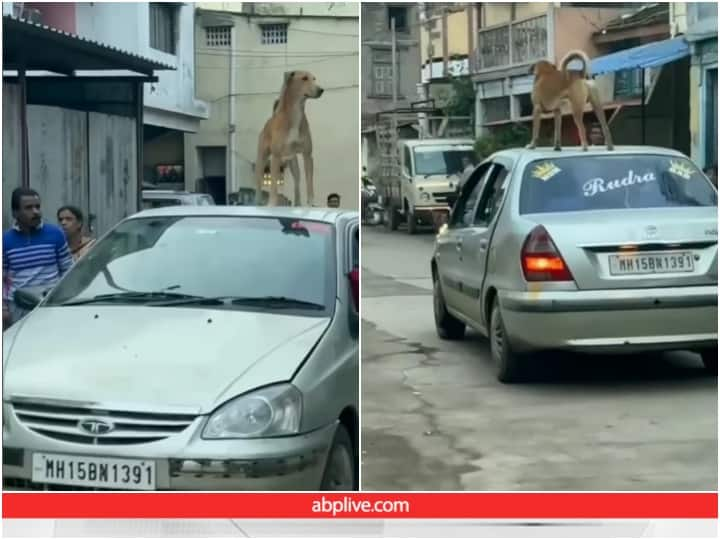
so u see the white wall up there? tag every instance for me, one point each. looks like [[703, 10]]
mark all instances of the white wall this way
[[259, 74], [127, 27], [321, 9]]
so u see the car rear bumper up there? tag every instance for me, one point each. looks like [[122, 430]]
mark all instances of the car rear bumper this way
[[280, 464], [628, 320]]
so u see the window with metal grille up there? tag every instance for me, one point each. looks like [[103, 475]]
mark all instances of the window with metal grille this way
[[163, 27], [217, 36], [496, 109], [382, 73], [273, 34]]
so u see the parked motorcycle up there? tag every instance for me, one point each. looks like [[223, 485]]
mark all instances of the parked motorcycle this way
[[372, 210]]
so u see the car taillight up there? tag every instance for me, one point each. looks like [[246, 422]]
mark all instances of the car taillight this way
[[355, 287], [541, 260]]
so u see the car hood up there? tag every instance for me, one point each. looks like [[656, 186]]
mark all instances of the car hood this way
[[168, 359]]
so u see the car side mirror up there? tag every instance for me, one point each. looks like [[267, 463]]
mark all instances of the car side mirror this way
[[28, 299]]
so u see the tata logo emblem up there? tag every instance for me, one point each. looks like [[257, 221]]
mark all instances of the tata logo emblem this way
[[95, 427], [651, 231]]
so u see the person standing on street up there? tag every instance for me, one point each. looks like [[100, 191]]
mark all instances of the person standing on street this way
[[468, 168], [35, 254], [71, 220]]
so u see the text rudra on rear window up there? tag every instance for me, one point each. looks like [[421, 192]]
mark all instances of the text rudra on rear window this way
[[600, 185]]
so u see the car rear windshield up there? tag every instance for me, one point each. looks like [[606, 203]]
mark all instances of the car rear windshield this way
[[209, 257], [609, 182]]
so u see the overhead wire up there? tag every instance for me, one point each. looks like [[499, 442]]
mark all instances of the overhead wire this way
[[277, 92]]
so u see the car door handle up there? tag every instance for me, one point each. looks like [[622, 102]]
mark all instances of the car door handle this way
[[458, 245], [483, 244]]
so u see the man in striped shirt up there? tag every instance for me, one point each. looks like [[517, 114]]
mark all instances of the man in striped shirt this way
[[35, 254]]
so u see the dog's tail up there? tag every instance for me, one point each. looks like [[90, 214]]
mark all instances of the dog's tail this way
[[576, 54]]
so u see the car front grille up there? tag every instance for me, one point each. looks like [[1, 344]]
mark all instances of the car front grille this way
[[442, 196], [64, 423]]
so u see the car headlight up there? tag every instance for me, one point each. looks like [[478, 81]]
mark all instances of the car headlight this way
[[425, 196], [272, 411]]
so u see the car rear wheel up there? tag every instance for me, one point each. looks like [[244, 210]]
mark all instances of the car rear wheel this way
[[447, 326], [710, 360], [340, 470], [509, 366]]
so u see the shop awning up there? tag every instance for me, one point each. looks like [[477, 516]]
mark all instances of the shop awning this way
[[651, 55], [34, 47]]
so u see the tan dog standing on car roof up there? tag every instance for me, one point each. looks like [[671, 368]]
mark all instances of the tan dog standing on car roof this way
[[554, 86], [286, 135]]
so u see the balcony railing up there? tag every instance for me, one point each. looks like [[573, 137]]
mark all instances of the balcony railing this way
[[516, 43]]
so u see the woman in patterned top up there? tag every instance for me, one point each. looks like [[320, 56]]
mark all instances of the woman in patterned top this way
[[71, 220]]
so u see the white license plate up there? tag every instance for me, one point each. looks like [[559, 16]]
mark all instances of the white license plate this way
[[95, 472], [652, 263]]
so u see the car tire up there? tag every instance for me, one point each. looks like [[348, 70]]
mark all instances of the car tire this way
[[447, 326], [411, 222], [509, 366], [341, 471], [710, 360]]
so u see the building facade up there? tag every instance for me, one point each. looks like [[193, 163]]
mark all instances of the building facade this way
[[701, 31], [513, 36], [73, 126], [243, 52], [161, 31], [377, 66]]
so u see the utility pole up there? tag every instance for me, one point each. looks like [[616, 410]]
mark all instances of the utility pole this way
[[469, 13], [394, 63], [446, 56]]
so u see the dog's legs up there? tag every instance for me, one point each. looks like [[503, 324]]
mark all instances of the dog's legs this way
[[558, 128], [600, 113], [578, 111], [537, 117], [295, 170], [275, 164], [308, 164], [260, 164]]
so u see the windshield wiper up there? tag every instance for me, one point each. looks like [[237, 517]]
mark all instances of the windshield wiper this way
[[275, 302], [132, 296]]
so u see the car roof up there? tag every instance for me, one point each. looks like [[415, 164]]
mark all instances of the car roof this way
[[327, 215], [574, 151], [436, 142]]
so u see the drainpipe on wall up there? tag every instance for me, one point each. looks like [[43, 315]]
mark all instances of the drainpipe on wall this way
[[24, 139], [230, 186]]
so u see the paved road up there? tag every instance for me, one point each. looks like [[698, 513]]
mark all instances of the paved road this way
[[435, 418]]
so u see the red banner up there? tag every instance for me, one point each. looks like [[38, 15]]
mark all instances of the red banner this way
[[361, 505]]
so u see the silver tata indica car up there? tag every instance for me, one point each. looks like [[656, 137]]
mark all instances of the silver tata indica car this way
[[193, 348], [591, 251]]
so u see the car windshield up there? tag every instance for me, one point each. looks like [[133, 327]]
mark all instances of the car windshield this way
[[609, 182], [437, 160], [236, 262]]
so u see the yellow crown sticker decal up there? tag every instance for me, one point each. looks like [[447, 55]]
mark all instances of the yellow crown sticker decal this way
[[678, 168], [545, 171]]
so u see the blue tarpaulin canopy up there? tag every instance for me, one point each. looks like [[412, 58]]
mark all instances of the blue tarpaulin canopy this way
[[645, 56]]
